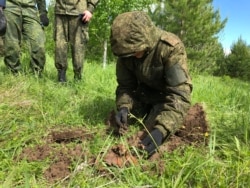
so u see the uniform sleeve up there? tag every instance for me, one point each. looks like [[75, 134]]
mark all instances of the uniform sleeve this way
[[178, 89], [2, 3], [92, 5], [127, 83], [41, 4]]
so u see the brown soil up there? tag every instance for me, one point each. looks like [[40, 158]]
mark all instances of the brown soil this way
[[195, 131], [59, 150]]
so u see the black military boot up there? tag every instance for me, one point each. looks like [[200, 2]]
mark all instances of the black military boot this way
[[62, 76], [77, 76]]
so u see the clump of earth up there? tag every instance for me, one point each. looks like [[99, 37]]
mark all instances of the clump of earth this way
[[61, 153]]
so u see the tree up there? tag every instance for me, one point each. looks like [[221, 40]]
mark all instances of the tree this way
[[50, 44], [237, 63], [103, 17], [197, 24]]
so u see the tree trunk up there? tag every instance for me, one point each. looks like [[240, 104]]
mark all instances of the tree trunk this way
[[105, 54]]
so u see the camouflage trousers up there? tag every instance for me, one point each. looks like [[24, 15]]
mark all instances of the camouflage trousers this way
[[69, 31], [23, 24], [1, 47], [162, 111]]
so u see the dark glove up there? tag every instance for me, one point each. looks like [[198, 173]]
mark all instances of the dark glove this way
[[121, 117], [81, 16], [3, 23], [44, 19], [152, 142]]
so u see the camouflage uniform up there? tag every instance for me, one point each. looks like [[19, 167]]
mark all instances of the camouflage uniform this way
[[158, 82], [69, 30], [2, 4], [1, 47], [23, 22]]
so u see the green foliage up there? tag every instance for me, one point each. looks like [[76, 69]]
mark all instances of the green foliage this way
[[49, 31], [237, 63], [205, 59], [103, 17], [197, 24]]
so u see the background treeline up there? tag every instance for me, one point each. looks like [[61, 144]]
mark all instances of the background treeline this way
[[196, 22]]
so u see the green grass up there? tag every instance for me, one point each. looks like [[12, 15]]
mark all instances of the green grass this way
[[31, 107]]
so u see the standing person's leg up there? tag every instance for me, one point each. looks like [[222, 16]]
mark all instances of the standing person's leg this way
[[78, 39], [12, 40], [1, 46], [33, 31], [61, 45]]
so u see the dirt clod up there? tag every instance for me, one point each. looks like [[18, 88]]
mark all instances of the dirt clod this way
[[120, 156], [67, 135]]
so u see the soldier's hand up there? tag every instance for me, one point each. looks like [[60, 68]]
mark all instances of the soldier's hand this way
[[44, 19], [152, 141], [121, 117], [81, 18], [3, 23]]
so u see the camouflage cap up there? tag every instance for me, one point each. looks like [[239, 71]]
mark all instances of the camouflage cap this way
[[132, 32]]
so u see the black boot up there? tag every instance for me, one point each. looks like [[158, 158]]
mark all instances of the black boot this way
[[62, 76], [77, 76]]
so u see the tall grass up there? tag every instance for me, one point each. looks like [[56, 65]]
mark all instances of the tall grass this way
[[30, 107]]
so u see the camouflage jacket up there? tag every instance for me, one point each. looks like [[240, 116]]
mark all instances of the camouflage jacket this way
[[74, 7], [162, 72], [12, 5]]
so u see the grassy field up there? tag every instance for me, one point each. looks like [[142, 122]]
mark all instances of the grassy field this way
[[30, 108]]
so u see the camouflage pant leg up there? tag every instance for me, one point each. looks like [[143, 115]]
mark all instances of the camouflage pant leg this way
[[36, 39], [70, 31], [24, 24], [78, 40], [1, 47], [61, 41], [12, 41]]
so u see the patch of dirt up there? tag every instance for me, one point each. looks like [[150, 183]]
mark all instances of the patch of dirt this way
[[120, 156], [58, 150], [37, 153], [64, 147], [69, 135], [195, 131]]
